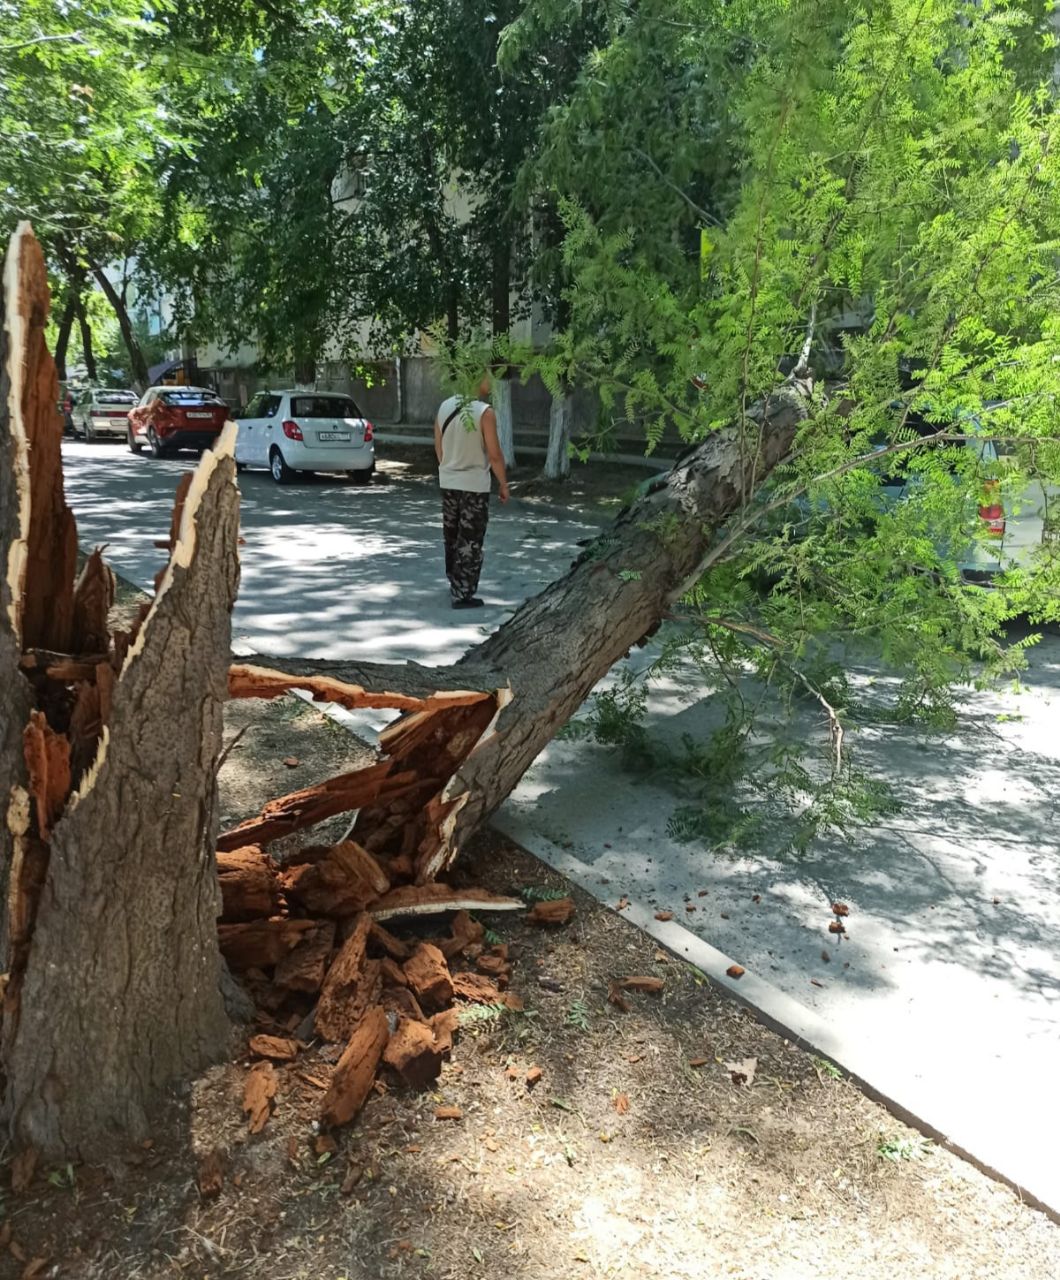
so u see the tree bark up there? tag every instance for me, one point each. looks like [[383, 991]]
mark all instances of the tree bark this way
[[557, 460], [88, 355], [305, 371], [501, 399], [62, 338], [501, 318], [136, 356], [112, 970]]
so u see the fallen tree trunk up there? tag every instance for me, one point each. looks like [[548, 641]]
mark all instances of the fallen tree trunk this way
[[560, 643], [111, 966]]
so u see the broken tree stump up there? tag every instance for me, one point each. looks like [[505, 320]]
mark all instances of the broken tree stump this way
[[109, 938]]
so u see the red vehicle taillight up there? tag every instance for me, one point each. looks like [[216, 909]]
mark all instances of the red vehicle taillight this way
[[369, 432], [991, 512], [292, 430]]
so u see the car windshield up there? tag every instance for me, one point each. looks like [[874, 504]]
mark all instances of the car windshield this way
[[188, 395], [114, 397], [323, 407]]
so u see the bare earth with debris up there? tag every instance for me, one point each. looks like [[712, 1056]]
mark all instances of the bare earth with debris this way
[[610, 1128]]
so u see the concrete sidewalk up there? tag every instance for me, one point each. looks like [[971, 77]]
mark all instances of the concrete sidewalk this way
[[945, 995]]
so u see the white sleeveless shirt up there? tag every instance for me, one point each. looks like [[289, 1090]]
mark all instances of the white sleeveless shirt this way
[[464, 464]]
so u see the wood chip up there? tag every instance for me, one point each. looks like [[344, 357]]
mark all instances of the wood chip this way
[[533, 1076], [615, 997], [840, 909], [653, 986], [557, 912], [415, 1053], [211, 1174], [258, 1094], [292, 762], [836, 926], [735, 971], [274, 1047], [448, 1113], [428, 977], [698, 1062], [621, 1103], [664, 915], [475, 986]]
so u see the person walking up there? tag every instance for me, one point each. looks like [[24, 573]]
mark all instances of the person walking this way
[[465, 441]]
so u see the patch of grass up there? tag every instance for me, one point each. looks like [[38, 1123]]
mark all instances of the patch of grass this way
[[483, 1015], [541, 893], [825, 1068], [898, 1147], [578, 1015]]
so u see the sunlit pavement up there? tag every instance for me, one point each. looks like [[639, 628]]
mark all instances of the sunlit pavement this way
[[329, 569], [946, 987]]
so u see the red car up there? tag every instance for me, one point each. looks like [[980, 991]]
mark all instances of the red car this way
[[172, 418]]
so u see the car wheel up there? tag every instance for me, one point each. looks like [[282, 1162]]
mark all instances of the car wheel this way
[[278, 468], [134, 445], [241, 467], [157, 447], [360, 477]]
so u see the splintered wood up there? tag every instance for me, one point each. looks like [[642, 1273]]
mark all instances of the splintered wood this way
[[307, 938], [343, 978]]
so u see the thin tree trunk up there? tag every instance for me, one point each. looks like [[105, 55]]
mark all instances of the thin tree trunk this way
[[88, 355], [501, 400], [501, 316], [136, 356], [112, 971], [305, 371], [557, 460], [62, 338]]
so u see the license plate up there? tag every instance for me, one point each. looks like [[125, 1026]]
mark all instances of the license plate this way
[[201, 415], [333, 435]]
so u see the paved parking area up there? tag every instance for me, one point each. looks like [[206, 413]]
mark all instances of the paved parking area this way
[[947, 990]]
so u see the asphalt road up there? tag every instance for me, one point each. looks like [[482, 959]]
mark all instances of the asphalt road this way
[[948, 981]]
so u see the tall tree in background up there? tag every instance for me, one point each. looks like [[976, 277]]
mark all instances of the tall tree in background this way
[[85, 130]]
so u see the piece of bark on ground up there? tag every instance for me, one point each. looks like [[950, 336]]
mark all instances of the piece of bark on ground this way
[[355, 1071], [428, 976], [352, 984], [414, 1053], [259, 1093]]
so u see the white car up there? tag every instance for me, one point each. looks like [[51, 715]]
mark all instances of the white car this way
[[102, 411], [285, 432]]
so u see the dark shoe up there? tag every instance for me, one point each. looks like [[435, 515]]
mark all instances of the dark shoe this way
[[468, 602]]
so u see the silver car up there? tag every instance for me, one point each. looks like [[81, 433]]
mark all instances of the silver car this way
[[102, 411], [286, 432]]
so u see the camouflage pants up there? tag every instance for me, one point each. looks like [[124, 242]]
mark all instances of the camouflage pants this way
[[464, 520]]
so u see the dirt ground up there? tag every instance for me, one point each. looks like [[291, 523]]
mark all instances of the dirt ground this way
[[676, 1138]]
